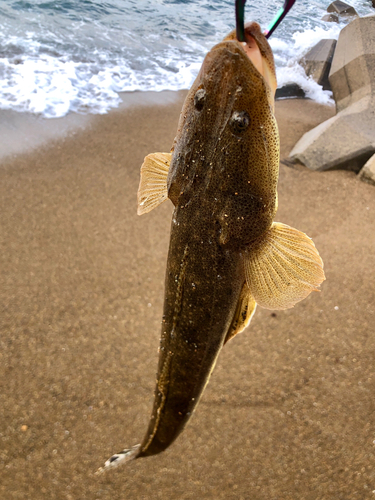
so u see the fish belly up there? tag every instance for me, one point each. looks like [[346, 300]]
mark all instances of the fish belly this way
[[202, 289]]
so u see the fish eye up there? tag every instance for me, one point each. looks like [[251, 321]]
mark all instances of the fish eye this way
[[240, 121], [199, 98]]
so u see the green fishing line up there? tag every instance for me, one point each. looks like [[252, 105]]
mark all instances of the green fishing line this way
[[240, 18]]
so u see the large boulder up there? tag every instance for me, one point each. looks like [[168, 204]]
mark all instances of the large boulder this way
[[352, 73], [331, 18], [342, 8], [317, 62], [347, 140]]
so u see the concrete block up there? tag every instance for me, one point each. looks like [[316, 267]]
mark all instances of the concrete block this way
[[317, 62], [342, 8], [367, 173], [331, 18], [290, 90], [345, 141], [352, 74]]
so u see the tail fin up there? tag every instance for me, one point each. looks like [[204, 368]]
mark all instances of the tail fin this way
[[120, 458]]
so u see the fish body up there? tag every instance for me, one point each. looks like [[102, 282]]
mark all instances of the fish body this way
[[202, 288], [226, 254]]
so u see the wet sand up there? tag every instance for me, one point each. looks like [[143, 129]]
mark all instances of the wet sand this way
[[289, 412]]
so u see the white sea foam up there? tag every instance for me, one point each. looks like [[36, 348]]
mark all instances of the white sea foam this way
[[296, 74], [78, 57], [53, 85], [287, 56]]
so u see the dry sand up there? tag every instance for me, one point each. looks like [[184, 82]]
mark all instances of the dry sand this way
[[289, 413]]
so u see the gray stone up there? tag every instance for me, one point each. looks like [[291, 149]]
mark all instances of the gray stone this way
[[347, 140], [331, 18], [342, 8], [367, 173], [317, 62], [290, 90], [352, 74]]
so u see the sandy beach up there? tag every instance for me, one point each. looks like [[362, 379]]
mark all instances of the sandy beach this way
[[289, 413]]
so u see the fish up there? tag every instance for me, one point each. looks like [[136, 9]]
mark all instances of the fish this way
[[226, 253]]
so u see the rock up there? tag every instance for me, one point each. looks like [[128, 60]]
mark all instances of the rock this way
[[289, 91], [331, 18], [367, 173], [342, 8], [317, 62], [352, 74], [347, 140]]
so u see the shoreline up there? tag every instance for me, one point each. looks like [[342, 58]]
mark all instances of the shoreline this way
[[23, 132]]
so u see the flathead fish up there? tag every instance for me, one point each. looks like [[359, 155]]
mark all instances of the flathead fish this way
[[226, 253]]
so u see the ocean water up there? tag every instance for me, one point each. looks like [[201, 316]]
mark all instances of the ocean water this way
[[76, 55]]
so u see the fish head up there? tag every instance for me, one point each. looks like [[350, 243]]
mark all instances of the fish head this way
[[227, 144]]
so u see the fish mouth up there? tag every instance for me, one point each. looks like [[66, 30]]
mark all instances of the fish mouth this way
[[259, 53], [252, 51]]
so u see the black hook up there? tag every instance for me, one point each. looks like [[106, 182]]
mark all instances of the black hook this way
[[240, 20]]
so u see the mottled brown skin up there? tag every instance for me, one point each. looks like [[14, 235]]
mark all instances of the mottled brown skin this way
[[222, 181]]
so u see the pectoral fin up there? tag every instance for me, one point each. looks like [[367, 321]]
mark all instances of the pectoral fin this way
[[152, 189], [245, 310], [283, 268]]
